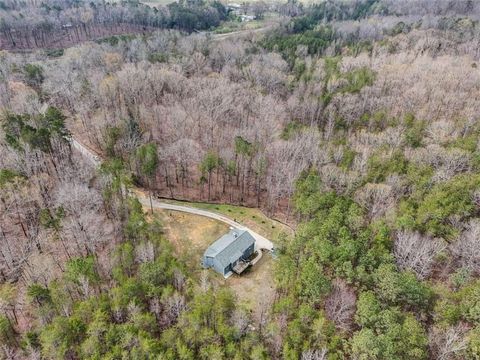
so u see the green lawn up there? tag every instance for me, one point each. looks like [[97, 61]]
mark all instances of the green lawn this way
[[250, 217]]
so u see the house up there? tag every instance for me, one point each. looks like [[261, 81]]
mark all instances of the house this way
[[230, 253], [246, 18]]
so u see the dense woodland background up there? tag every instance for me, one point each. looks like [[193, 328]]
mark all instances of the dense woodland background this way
[[57, 24], [356, 121]]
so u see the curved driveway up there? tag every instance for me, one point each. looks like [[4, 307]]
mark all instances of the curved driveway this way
[[260, 241]]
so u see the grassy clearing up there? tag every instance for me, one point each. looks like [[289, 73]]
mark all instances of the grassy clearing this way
[[234, 25], [192, 234], [256, 285], [269, 2], [153, 3], [250, 217]]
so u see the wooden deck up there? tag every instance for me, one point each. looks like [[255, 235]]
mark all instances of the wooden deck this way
[[240, 267]]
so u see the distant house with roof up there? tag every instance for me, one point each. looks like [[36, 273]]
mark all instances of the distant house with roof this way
[[230, 253]]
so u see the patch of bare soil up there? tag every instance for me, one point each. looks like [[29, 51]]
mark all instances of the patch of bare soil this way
[[255, 287]]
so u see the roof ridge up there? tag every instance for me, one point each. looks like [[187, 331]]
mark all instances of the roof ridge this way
[[230, 243], [224, 241], [225, 255]]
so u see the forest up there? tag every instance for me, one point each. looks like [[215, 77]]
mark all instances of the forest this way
[[56, 24], [356, 122]]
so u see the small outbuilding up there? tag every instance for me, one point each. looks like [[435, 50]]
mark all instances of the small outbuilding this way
[[230, 253]]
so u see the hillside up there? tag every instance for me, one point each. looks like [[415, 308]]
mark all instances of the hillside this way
[[56, 24], [355, 122]]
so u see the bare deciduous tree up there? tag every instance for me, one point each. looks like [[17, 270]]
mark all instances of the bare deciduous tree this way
[[315, 354], [340, 305], [416, 252], [448, 344], [145, 252], [240, 321], [378, 199], [467, 247], [174, 306]]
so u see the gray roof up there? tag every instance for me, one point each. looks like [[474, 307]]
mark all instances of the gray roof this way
[[230, 247]]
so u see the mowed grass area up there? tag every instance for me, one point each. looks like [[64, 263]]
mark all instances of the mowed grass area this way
[[192, 234], [253, 218]]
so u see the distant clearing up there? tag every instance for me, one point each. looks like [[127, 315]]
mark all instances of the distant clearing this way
[[154, 3], [270, 2]]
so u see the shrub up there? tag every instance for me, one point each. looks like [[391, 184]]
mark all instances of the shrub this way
[[357, 79], [446, 201], [348, 158], [292, 128], [380, 167], [33, 74], [402, 288], [415, 131]]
